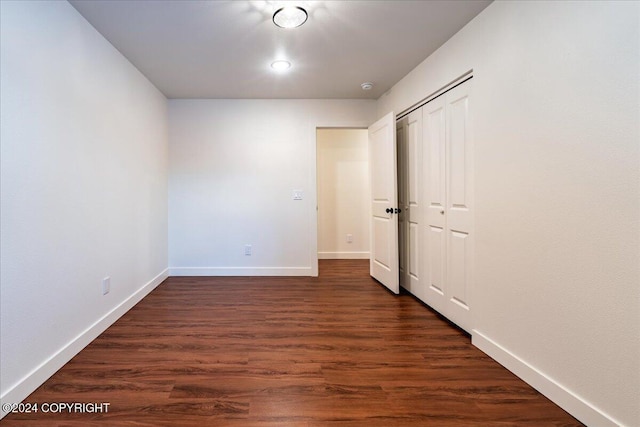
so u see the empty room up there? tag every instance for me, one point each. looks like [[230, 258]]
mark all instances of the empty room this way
[[319, 213]]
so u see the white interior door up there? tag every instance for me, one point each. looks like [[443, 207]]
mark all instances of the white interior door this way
[[459, 219], [413, 206], [409, 140], [448, 232], [434, 141], [384, 203]]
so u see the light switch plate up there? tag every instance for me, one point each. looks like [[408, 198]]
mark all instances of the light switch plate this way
[[297, 194]]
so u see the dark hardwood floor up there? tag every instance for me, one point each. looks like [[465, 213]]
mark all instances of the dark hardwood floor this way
[[338, 350]]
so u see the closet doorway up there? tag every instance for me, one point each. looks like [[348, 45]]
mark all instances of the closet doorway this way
[[436, 199], [343, 193]]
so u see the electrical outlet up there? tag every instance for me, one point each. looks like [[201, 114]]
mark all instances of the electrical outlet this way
[[349, 238], [106, 285], [247, 250]]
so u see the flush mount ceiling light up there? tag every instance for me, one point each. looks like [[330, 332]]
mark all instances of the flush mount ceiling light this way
[[366, 86], [290, 17], [280, 65]]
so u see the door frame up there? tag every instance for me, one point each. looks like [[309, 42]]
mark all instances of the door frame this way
[[313, 170]]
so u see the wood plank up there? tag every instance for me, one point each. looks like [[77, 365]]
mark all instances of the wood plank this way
[[338, 350]]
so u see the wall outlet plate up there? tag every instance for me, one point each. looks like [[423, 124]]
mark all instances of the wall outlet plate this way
[[106, 285]]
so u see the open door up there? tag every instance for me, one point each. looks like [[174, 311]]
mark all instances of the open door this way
[[384, 263]]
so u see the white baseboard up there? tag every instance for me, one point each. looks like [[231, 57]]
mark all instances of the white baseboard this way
[[343, 255], [557, 393], [240, 271], [40, 374]]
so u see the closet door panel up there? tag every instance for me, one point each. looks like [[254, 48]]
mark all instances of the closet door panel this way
[[413, 206], [457, 155], [458, 213], [435, 266], [414, 138], [414, 253], [458, 257], [459, 158], [433, 223], [402, 202]]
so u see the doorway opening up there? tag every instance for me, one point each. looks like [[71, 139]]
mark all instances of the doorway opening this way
[[342, 168]]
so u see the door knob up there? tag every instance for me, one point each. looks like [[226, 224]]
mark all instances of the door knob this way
[[441, 212], [389, 210], [398, 210]]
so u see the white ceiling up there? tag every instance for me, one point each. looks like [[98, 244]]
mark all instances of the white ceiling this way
[[223, 49]]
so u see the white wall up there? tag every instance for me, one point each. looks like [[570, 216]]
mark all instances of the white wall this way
[[84, 145], [343, 189], [234, 165], [556, 114]]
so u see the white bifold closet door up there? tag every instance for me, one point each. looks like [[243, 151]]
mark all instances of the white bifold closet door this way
[[409, 135], [402, 199], [447, 162]]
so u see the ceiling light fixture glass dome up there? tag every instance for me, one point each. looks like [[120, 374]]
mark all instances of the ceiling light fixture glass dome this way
[[280, 65], [290, 17]]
